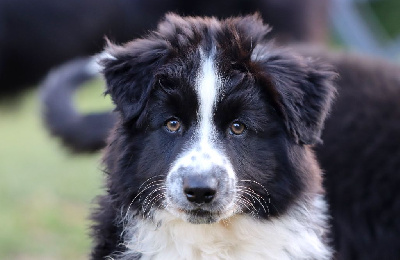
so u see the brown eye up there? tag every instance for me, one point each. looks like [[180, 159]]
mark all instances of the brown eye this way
[[237, 128], [173, 125]]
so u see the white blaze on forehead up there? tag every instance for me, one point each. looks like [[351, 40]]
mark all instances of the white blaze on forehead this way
[[203, 153], [207, 89]]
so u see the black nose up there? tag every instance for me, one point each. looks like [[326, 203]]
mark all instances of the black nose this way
[[200, 189]]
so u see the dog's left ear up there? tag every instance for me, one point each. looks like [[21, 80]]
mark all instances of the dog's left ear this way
[[303, 89], [129, 73]]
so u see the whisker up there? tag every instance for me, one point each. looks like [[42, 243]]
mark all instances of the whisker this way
[[152, 184], [258, 196], [153, 201], [245, 201], [265, 189], [149, 198], [251, 199], [139, 195]]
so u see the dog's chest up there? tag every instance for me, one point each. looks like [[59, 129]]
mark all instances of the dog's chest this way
[[240, 238]]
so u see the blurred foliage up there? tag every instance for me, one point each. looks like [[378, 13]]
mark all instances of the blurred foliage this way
[[388, 13]]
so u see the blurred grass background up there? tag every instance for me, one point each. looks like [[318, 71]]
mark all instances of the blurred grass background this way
[[45, 191]]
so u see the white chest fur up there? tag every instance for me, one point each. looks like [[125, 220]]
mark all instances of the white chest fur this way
[[296, 235]]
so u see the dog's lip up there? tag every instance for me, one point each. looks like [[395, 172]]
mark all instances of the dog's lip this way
[[200, 212], [201, 216]]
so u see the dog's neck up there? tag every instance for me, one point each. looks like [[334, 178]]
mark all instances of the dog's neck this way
[[298, 234]]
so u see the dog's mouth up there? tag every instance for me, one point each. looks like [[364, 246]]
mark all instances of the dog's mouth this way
[[200, 216], [203, 216]]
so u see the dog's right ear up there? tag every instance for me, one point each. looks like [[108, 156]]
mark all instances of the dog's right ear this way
[[303, 90], [129, 73]]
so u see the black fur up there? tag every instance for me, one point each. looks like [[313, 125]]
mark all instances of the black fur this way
[[281, 98], [361, 183], [361, 155]]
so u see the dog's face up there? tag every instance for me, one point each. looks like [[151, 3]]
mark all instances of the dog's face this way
[[213, 122]]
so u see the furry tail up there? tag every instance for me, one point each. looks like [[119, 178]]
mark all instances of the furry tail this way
[[81, 133]]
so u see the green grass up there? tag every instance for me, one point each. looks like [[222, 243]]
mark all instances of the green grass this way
[[45, 192]]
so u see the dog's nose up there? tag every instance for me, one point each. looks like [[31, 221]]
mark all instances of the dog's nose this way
[[200, 189]]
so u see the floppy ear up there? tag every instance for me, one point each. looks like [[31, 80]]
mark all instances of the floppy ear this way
[[128, 71], [304, 91]]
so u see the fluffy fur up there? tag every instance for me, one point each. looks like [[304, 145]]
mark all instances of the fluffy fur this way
[[292, 236], [365, 115], [204, 190]]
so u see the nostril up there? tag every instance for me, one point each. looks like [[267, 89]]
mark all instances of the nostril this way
[[199, 190], [209, 195], [200, 195], [190, 194]]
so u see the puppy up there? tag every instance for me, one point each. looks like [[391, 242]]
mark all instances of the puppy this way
[[211, 156]]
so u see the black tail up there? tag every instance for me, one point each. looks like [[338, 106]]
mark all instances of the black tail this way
[[81, 133]]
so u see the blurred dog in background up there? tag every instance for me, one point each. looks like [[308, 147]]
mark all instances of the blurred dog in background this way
[[36, 36]]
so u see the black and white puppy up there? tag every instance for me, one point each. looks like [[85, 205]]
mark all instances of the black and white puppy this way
[[211, 156]]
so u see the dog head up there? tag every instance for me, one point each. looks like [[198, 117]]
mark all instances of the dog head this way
[[214, 121]]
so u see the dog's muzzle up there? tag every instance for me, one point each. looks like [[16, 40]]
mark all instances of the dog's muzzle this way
[[200, 191]]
